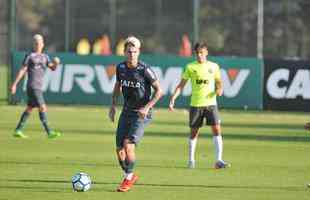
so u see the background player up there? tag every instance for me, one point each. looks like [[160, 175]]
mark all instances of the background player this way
[[34, 65], [206, 84], [135, 80]]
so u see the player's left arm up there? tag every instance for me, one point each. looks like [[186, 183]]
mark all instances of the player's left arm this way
[[219, 87], [151, 77], [218, 82], [53, 64], [157, 95]]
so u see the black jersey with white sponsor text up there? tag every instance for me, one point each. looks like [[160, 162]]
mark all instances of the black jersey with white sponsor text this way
[[136, 84], [36, 64]]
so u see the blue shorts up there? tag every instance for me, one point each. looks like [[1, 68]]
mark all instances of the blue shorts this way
[[35, 97], [131, 127]]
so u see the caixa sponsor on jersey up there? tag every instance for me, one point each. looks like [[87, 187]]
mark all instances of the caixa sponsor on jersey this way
[[287, 85]]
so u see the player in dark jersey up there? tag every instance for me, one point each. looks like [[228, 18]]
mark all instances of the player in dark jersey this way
[[134, 80], [34, 65]]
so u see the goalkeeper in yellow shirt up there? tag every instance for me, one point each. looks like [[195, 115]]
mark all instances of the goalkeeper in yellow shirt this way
[[206, 83]]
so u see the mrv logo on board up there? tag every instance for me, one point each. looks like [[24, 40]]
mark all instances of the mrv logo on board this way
[[91, 80]]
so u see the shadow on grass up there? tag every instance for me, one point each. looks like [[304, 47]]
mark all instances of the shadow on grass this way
[[179, 134], [237, 125], [33, 188], [98, 165], [98, 183], [46, 188]]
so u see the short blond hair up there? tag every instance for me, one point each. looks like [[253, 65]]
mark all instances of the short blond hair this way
[[133, 41], [37, 37]]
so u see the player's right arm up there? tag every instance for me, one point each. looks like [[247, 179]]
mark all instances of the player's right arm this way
[[185, 76], [19, 77], [115, 94], [176, 93], [21, 73]]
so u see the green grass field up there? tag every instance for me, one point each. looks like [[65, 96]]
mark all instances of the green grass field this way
[[269, 152], [3, 84]]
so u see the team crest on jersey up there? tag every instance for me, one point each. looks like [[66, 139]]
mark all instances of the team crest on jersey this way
[[210, 71], [121, 66]]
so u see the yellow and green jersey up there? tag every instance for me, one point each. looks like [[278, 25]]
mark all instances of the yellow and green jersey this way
[[203, 77]]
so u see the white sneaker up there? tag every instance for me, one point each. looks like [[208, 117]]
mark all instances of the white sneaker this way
[[191, 164]]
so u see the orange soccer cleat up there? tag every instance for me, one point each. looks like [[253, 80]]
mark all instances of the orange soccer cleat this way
[[127, 184]]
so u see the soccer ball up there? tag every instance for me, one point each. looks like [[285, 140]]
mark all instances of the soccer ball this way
[[81, 182]]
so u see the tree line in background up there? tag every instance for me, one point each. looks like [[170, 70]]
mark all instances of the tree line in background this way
[[230, 27]]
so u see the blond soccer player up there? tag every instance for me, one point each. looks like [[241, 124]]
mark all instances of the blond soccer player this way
[[34, 65]]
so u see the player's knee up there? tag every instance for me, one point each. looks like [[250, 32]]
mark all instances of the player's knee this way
[[43, 108], [130, 149], [121, 153], [130, 154], [216, 129], [29, 109], [193, 136], [194, 133]]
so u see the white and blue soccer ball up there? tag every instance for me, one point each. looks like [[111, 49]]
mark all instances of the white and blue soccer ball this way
[[81, 182]]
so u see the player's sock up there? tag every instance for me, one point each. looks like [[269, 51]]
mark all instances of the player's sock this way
[[130, 167], [218, 144], [22, 120], [44, 122], [129, 176], [192, 148], [123, 165]]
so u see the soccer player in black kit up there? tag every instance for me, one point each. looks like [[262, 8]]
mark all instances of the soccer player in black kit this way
[[134, 79], [34, 65]]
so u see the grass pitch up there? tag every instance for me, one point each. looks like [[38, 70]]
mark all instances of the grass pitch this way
[[3, 84], [269, 152]]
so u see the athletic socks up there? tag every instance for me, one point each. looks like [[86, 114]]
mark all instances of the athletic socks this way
[[22, 120], [44, 122], [129, 176], [130, 166], [123, 165], [218, 145], [129, 170], [192, 148], [127, 167]]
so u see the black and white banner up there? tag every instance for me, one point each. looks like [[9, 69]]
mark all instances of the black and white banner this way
[[287, 85]]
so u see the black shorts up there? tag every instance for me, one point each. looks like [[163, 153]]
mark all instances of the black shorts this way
[[35, 97], [131, 127], [198, 114]]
